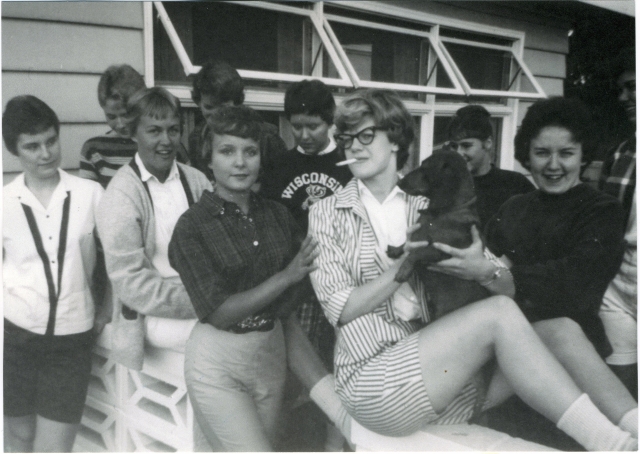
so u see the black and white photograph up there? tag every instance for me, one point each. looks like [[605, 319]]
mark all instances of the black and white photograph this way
[[319, 226]]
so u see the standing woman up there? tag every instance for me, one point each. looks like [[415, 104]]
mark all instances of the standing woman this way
[[393, 373], [136, 218], [49, 256], [237, 254]]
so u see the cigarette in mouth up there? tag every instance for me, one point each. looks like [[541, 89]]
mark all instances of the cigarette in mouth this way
[[347, 162]]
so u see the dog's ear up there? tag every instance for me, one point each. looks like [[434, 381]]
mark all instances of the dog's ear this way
[[444, 177], [414, 183]]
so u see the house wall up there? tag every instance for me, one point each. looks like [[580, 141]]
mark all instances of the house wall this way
[[57, 51]]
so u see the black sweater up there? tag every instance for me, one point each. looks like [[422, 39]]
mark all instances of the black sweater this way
[[496, 187], [298, 181], [565, 249]]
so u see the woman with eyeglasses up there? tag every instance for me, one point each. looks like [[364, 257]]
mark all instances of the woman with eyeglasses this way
[[397, 371]]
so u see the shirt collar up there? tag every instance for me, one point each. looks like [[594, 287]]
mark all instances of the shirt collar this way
[[145, 175], [21, 191], [220, 205], [332, 146], [363, 190]]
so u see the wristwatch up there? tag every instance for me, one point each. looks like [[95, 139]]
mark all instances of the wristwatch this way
[[496, 274]]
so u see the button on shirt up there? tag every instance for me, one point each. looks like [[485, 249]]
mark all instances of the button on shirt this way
[[219, 251], [169, 202], [26, 293], [389, 223]]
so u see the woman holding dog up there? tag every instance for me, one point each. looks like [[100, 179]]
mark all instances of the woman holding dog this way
[[393, 373]]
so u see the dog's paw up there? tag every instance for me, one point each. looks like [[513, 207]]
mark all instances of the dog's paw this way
[[395, 252], [404, 272]]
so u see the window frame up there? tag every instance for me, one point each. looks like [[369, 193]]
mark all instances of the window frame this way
[[429, 36], [427, 110], [539, 94], [189, 68]]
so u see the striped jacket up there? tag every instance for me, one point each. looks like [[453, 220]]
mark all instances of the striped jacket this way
[[348, 259]]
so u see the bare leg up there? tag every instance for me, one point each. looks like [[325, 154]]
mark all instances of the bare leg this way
[[19, 432], [53, 436], [305, 363], [567, 342], [453, 348], [302, 359]]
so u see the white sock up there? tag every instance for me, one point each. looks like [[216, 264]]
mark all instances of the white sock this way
[[629, 422], [324, 395], [589, 427]]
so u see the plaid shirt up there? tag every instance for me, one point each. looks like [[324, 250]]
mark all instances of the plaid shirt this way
[[218, 251], [618, 177]]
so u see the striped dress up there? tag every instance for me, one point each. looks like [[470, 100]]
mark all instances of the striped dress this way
[[377, 368]]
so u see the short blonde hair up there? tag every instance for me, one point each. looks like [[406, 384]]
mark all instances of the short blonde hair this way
[[154, 102], [387, 111]]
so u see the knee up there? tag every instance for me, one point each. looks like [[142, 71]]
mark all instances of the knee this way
[[19, 434], [559, 332], [502, 311]]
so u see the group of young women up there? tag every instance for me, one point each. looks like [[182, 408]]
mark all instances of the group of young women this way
[[548, 258]]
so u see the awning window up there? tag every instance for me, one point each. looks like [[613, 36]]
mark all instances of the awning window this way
[[271, 43]]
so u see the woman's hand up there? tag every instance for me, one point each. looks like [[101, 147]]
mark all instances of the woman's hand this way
[[411, 245], [302, 263], [469, 263]]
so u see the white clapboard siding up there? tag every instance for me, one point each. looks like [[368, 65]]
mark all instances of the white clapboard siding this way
[[57, 51], [64, 47], [121, 14]]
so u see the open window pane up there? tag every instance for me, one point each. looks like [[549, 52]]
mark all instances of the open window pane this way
[[391, 57], [485, 69], [491, 70], [248, 38], [380, 55]]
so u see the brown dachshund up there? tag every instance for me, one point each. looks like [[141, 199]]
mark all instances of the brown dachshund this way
[[444, 179]]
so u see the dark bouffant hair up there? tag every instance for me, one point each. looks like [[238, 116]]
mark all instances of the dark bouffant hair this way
[[387, 111], [470, 122], [26, 114], [119, 82], [239, 121], [220, 80], [310, 97], [568, 113]]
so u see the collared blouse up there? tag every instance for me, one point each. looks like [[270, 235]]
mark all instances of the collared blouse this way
[[219, 251], [26, 290]]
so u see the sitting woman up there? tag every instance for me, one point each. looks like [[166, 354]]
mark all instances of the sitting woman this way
[[563, 242], [237, 254], [50, 253], [396, 375]]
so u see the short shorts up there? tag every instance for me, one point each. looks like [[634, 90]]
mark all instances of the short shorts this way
[[46, 375], [389, 396]]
